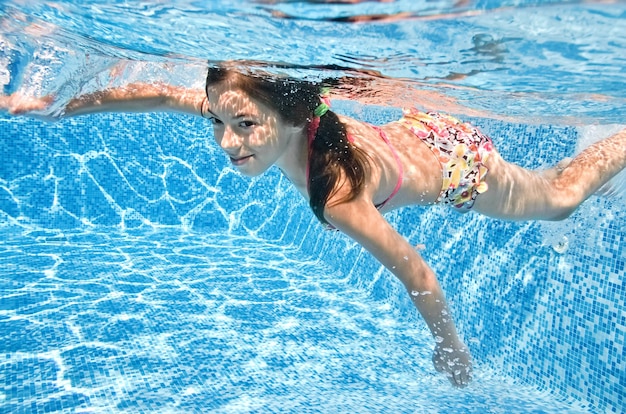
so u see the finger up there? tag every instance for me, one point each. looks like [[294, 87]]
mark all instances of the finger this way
[[462, 378], [457, 381], [439, 365], [461, 381], [453, 380]]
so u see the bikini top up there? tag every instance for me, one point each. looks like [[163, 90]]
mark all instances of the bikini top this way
[[312, 131]]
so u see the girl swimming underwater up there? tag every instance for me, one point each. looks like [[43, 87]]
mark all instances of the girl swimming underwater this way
[[352, 172]]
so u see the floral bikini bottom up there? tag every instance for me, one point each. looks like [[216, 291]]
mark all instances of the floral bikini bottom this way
[[462, 151]]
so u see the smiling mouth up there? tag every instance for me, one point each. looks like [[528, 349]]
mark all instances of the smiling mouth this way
[[241, 160]]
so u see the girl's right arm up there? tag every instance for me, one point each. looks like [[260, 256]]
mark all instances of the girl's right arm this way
[[134, 97]]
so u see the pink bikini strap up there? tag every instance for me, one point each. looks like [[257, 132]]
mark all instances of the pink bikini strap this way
[[398, 162]]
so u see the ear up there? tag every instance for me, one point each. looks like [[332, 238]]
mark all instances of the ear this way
[[296, 129]]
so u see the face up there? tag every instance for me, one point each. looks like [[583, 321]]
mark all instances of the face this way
[[251, 134]]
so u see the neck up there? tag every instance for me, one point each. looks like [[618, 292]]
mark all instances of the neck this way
[[294, 161]]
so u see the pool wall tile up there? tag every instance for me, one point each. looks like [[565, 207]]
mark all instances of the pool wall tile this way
[[543, 303]]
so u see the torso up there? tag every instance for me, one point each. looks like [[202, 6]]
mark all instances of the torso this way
[[422, 179]]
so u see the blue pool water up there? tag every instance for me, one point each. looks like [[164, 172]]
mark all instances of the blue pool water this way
[[140, 273]]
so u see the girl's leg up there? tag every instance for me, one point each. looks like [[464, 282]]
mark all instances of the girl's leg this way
[[517, 193]]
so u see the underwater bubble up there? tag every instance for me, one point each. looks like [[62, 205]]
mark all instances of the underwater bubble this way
[[561, 246]]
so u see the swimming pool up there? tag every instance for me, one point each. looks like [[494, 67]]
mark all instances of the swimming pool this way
[[140, 273]]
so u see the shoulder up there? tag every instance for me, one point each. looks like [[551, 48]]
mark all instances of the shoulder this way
[[352, 125], [351, 217], [358, 129], [394, 130]]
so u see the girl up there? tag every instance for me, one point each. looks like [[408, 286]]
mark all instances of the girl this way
[[351, 172]]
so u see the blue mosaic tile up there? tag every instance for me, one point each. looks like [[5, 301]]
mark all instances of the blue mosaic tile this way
[[139, 274]]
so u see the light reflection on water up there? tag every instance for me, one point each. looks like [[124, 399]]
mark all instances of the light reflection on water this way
[[550, 62]]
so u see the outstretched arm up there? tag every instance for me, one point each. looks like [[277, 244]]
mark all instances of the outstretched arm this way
[[134, 97], [139, 97], [360, 220]]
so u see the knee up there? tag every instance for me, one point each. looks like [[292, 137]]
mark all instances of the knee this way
[[565, 204]]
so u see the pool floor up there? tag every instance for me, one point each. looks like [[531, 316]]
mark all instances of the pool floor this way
[[147, 321]]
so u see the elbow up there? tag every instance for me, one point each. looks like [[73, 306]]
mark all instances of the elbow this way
[[418, 277]]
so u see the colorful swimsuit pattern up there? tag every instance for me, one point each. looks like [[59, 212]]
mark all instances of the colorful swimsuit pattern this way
[[462, 151]]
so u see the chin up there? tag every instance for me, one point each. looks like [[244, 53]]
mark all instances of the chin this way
[[252, 171]]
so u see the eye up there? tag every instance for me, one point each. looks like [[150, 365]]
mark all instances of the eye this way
[[247, 124], [215, 121]]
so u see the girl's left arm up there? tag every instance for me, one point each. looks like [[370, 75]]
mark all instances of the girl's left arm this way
[[360, 220]]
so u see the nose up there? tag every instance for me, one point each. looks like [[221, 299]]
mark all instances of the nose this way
[[230, 141]]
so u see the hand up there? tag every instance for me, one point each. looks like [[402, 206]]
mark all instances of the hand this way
[[17, 104], [455, 362]]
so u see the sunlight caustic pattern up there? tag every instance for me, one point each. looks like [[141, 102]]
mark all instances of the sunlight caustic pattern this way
[[139, 273]]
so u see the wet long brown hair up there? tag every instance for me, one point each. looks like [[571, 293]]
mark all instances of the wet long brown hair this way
[[333, 159]]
